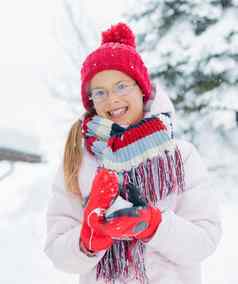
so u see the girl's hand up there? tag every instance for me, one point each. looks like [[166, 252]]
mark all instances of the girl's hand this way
[[104, 191], [134, 222], [92, 241]]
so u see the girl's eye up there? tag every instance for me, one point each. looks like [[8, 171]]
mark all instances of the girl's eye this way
[[98, 93], [122, 86]]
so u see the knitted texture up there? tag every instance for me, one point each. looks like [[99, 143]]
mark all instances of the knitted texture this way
[[143, 154], [105, 182], [117, 52]]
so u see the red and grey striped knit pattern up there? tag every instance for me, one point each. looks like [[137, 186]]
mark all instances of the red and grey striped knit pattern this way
[[147, 147], [146, 155]]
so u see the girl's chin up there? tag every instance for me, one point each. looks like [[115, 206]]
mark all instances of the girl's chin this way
[[124, 122], [121, 121]]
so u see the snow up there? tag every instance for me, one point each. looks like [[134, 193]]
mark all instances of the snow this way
[[32, 120], [24, 198], [220, 268]]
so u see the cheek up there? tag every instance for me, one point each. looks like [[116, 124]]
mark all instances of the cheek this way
[[137, 104], [100, 111]]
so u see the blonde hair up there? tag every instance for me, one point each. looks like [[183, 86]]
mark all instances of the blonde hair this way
[[73, 158], [73, 154]]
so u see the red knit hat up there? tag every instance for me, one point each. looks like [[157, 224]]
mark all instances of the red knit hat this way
[[117, 52]]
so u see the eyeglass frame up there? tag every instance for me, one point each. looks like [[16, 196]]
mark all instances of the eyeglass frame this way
[[129, 87]]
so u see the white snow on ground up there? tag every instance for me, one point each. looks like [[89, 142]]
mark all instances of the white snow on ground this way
[[221, 267], [22, 228]]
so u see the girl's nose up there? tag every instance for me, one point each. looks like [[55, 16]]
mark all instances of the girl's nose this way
[[112, 96]]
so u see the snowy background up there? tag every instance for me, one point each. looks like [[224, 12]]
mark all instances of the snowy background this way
[[39, 63]]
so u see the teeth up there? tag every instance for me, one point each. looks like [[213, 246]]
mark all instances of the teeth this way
[[118, 112]]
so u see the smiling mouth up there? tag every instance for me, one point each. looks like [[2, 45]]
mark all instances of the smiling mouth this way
[[117, 113]]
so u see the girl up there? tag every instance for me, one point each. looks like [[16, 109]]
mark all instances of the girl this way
[[130, 203]]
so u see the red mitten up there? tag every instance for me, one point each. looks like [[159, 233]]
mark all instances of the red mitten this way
[[93, 241], [104, 191], [155, 220], [134, 222]]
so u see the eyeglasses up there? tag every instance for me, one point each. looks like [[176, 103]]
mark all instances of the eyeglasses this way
[[121, 88]]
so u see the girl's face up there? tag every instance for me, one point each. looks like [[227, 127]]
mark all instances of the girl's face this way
[[117, 97]]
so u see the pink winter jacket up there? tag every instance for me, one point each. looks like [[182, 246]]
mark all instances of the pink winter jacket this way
[[189, 232]]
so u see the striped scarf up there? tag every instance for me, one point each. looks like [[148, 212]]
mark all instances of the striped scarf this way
[[145, 154]]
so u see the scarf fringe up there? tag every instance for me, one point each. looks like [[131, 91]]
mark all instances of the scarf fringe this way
[[118, 263], [157, 177]]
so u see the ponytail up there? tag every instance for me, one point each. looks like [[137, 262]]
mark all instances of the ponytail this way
[[72, 159]]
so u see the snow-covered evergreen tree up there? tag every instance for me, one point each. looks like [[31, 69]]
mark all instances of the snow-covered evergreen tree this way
[[191, 46]]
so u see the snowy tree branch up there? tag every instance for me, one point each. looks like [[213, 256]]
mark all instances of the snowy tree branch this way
[[7, 154], [80, 38]]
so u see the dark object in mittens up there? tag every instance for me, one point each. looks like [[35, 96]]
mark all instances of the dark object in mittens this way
[[129, 212], [134, 195]]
